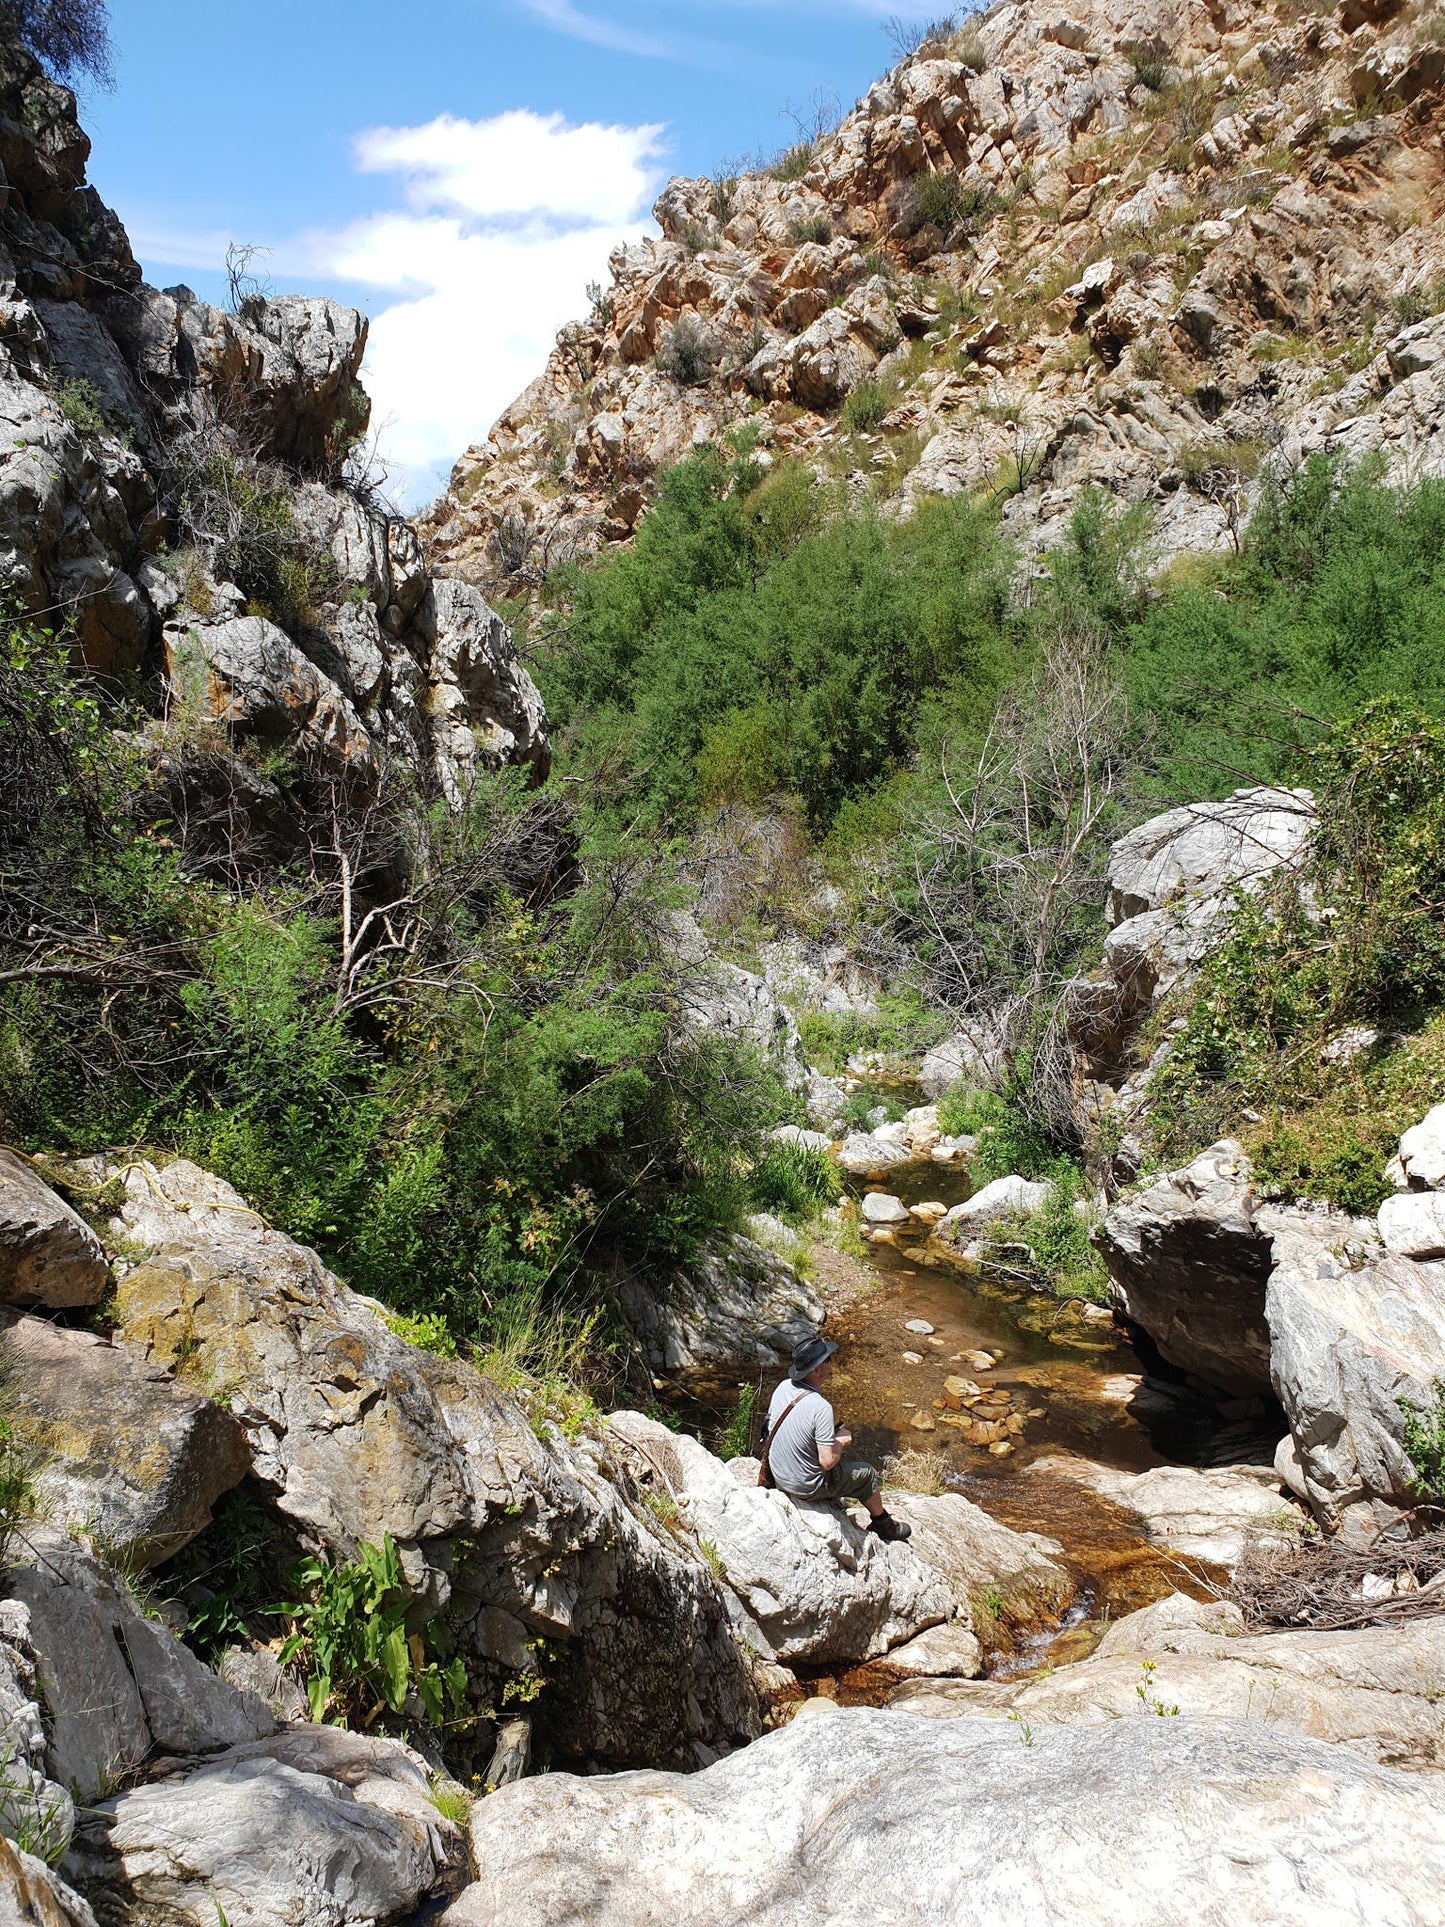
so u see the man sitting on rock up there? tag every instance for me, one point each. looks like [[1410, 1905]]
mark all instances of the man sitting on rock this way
[[805, 1452]]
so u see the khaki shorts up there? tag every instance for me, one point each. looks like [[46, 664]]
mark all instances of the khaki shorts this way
[[850, 1479]]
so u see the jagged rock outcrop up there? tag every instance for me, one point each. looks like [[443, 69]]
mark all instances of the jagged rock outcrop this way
[[1146, 248], [514, 1535], [861, 1816], [1373, 1690], [138, 426], [95, 1687]]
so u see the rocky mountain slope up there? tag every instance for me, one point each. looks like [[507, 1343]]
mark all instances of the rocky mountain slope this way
[[180, 482], [1153, 245]]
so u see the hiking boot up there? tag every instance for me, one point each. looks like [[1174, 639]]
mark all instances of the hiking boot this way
[[889, 1529]]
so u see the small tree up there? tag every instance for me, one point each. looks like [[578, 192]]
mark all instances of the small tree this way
[[67, 37]]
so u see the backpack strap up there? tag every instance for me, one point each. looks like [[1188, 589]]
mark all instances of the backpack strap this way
[[765, 1471]]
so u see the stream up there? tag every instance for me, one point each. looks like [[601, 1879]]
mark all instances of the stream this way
[[1002, 1377]]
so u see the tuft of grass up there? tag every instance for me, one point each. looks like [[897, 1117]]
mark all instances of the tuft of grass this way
[[738, 1435], [793, 163], [80, 404], [816, 228]]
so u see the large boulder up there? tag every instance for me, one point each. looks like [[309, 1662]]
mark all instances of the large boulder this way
[[514, 1532], [1190, 1257], [1374, 1690], [316, 1827], [822, 1589], [738, 1307], [866, 1817], [125, 1451], [485, 708], [1202, 851], [1352, 1334], [115, 1686], [48, 1254]]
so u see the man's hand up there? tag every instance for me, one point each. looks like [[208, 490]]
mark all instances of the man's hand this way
[[842, 1436]]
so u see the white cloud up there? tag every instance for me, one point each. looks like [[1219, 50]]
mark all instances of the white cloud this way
[[505, 221]]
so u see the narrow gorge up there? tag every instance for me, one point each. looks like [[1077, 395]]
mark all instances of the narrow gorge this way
[[898, 796]]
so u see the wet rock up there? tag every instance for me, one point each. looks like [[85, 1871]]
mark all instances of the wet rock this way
[[125, 1452], [1370, 1690], [1204, 1514], [48, 1254], [358, 1433], [939, 1652], [862, 1816], [863, 1153], [315, 1827]]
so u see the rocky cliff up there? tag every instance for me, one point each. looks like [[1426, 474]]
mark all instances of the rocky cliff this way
[[180, 488], [1153, 245]]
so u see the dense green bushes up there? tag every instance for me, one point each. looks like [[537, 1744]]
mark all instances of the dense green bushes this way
[[762, 635]]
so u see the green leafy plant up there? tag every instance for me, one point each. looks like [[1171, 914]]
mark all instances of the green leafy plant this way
[[793, 1181], [1424, 1441], [80, 404], [865, 408], [737, 1439], [427, 1329], [349, 1639]]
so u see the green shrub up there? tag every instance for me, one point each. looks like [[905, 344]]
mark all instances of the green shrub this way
[[940, 200], [794, 1182], [1058, 1236], [349, 1640], [865, 408], [793, 163], [816, 228], [964, 1112], [688, 354], [80, 404], [1424, 1441], [737, 1439]]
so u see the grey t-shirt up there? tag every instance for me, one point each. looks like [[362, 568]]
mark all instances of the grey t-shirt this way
[[794, 1454]]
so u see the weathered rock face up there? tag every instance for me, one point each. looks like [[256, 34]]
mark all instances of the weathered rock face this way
[[114, 1686], [315, 1827], [867, 1816], [1351, 1335], [1374, 1691], [1188, 1262], [48, 1254], [822, 1589], [30, 1893], [737, 1308], [1056, 321], [109, 390], [124, 1451], [513, 1537]]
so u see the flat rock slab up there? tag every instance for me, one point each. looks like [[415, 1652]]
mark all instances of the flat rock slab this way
[[1205, 1514], [865, 1818], [48, 1253]]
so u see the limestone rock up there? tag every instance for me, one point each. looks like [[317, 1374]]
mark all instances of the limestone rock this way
[[1202, 850], [316, 1827], [1003, 1198], [1188, 1262], [358, 1433], [48, 1253], [33, 1895], [859, 1817], [864, 1152], [962, 1058], [1413, 1224], [821, 1589], [1350, 1336], [115, 1685], [486, 710], [880, 1208], [1422, 1152], [250, 676], [1204, 1513], [124, 1450], [1373, 1691]]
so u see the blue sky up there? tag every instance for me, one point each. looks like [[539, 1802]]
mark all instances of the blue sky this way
[[458, 168]]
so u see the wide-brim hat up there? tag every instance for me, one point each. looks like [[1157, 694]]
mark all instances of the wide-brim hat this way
[[808, 1356]]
